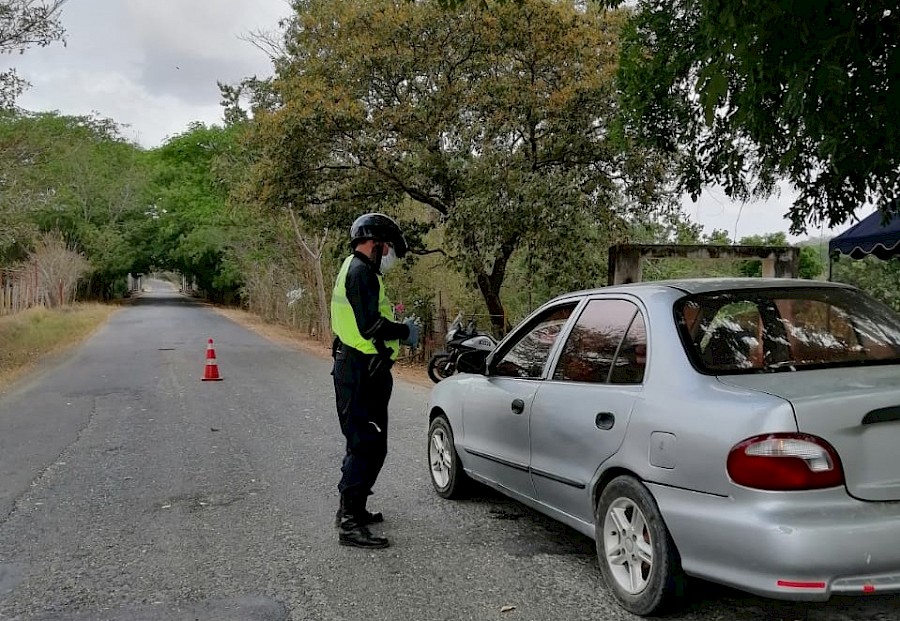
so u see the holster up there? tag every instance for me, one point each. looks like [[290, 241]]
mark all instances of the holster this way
[[382, 361], [376, 363], [379, 364]]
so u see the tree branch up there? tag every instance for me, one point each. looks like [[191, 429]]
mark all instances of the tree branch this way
[[414, 193]]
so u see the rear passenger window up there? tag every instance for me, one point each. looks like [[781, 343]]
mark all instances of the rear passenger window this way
[[607, 344], [631, 361]]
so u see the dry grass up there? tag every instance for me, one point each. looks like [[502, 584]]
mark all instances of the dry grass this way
[[28, 337]]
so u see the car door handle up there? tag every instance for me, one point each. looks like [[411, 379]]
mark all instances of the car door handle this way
[[605, 421], [518, 406]]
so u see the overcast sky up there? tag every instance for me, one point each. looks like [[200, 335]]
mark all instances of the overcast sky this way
[[149, 64], [152, 65]]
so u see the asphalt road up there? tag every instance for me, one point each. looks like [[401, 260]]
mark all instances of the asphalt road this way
[[132, 491]]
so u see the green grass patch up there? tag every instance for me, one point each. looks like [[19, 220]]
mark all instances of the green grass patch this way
[[29, 336]]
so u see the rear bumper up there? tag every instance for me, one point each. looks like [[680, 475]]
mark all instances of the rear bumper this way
[[799, 546]]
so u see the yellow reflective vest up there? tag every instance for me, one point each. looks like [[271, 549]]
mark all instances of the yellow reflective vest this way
[[343, 321]]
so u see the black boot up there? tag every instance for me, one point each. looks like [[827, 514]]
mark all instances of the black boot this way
[[366, 517], [353, 529], [359, 536]]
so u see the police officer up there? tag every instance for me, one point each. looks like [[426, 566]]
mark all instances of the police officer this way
[[366, 344]]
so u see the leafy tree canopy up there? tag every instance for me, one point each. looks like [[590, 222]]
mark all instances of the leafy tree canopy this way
[[498, 119], [751, 92], [880, 279], [75, 175], [188, 195]]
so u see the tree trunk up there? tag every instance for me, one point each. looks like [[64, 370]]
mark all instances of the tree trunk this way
[[495, 308], [490, 285], [315, 257], [324, 307]]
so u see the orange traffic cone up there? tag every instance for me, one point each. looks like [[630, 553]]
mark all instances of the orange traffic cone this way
[[211, 373]]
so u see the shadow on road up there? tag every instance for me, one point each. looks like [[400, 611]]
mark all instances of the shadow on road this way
[[702, 600]]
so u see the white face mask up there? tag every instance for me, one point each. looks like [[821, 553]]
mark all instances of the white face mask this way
[[388, 260]]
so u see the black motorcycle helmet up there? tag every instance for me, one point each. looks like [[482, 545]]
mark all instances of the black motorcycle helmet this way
[[379, 227]]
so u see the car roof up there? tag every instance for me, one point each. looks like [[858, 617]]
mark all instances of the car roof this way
[[707, 285]]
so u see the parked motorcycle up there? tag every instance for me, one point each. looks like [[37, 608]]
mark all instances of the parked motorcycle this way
[[459, 339]]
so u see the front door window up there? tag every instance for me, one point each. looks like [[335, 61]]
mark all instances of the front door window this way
[[527, 356]]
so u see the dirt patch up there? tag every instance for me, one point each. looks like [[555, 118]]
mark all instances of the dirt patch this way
[[412, 372]]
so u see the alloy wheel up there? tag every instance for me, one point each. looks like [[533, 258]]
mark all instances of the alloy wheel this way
[[440, 457], [628, 545]]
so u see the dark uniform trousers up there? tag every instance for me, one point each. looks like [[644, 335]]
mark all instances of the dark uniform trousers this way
[[362, 404]]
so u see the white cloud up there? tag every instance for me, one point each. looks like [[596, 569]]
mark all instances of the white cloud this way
[[714, 210], [204, 28], [149, 64]]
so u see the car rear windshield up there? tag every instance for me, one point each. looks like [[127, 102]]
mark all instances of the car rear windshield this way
[[760, 330]]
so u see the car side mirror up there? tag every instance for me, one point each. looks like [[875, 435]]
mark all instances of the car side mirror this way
[[472, 362]]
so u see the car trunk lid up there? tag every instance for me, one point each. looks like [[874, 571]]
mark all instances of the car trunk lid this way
[[856, 410]]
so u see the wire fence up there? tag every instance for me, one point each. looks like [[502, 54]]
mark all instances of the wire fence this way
[[20, 289]]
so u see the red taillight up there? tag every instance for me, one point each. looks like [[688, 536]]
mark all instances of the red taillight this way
[[793, 584], [785, 462]]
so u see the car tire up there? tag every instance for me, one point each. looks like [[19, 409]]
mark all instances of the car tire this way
[[447, 475], [638, 559]]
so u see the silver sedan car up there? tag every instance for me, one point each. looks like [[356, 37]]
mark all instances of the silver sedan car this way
[[743, 431]]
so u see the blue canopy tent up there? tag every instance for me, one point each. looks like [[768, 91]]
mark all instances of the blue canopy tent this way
[[870, 236]]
